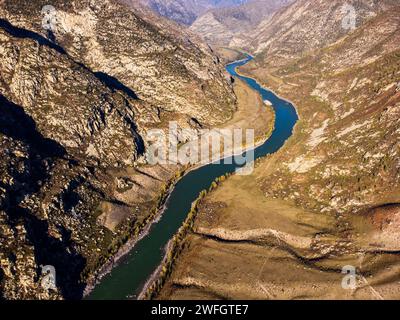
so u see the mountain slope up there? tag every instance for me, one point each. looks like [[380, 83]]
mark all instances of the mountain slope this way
[[350, 89], [305, 26], [57, 121], [330, 198], [165, 68], [76, 104], [234, 25]]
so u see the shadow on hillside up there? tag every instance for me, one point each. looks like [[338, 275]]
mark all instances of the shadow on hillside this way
[[41, 155], [27, 34], [16, 124], [59, 254], [115, 84], [1, 280], [110, 81]]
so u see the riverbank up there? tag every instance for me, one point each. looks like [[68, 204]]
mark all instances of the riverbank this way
[[248, 243], [131, 243], [261, 84], [155, 284], [246, 98]]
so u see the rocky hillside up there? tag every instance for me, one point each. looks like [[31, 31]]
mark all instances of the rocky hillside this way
[[233, 26], [58, 123], [76, 102], [307, 25], [348, 97], [153, 61]]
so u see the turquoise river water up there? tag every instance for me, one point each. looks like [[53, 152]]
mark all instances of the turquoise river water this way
[[127, 279]]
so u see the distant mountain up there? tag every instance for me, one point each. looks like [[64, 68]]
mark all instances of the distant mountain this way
[[187, 11], [307, 25], [231, 25]]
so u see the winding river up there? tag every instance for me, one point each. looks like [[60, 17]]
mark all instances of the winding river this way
[[127, 279]]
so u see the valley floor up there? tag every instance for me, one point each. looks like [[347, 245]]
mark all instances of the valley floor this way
[[150, 181], [246, 244], [150, 184]]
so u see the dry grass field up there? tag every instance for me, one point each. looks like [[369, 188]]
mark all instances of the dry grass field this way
[[247, 246]]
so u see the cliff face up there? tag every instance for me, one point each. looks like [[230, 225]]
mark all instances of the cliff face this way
[[67, 102], [75, 105], [130, 50]]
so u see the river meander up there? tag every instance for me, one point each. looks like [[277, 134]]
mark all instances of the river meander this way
[[127, 279]]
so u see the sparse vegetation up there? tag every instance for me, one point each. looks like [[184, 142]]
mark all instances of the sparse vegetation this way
[[177, 244]]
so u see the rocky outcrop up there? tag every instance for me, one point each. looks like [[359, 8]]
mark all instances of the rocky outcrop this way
[[154, 61], [29, 162], [67, 102], [76, 101]]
